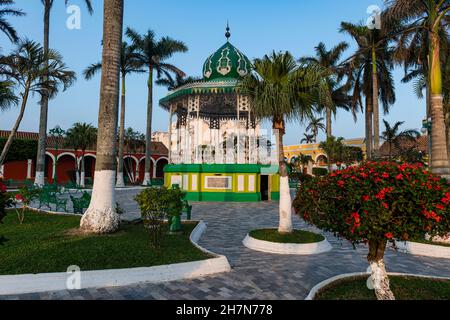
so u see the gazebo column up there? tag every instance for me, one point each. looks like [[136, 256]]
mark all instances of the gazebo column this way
[[242, 107], [170, 133]]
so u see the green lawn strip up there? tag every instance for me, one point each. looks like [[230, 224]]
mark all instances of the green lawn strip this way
[[423, 241], [298, 236], [404, 288], [41, 245]]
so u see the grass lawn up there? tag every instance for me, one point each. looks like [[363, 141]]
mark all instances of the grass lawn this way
[[42, 245], [404, 288], [432, 243], [298, 236]]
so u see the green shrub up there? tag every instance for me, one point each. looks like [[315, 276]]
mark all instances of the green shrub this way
[[20, 149], [156, 204], [319, 172]]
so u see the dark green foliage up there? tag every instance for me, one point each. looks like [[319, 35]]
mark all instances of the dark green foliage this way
[[21, 150], [319, 172], [297, 236], [156, 204]]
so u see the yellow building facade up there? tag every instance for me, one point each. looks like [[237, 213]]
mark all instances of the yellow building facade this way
[[317, 154]]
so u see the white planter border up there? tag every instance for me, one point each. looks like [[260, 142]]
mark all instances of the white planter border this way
[[34, 283], [287, 248], [318, 287], [423, 249]]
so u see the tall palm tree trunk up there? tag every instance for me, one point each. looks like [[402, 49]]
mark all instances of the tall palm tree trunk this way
[[101, 216], [329, 123], [40, 161], [439, 154], [148, 135], [120, 181], [369, 129], [285, 225], [15, 128], [376, 108]]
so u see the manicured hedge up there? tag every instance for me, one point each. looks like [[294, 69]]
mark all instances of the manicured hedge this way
[[319, 172], [20, 149]]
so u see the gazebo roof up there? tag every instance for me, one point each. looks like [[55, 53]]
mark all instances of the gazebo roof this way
[[222, 72]]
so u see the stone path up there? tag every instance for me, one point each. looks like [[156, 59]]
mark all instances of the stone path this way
[[255, 275]]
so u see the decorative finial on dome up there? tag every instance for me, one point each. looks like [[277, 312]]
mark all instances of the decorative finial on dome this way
[[228, 34]]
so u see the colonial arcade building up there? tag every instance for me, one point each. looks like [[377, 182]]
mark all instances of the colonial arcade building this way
[[218, 150], [61, 162]]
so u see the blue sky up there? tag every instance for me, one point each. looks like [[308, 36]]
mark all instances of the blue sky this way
[[257, 27]]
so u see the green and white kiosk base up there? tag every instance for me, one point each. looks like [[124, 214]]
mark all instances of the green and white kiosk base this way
[[225, 182]]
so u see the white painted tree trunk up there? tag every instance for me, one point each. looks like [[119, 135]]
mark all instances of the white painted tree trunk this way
[[147, 179], [120, 181], [82, 179], [285, 206], [39, 180], [379, 281], [101, 216]]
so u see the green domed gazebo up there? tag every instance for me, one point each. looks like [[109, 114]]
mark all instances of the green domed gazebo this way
[[217, 151]]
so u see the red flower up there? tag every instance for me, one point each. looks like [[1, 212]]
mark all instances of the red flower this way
[[440, 207], [341, 183], [389, 235], [19, 197], [365, 198], [385, 205], [399, 177], [385, 175]]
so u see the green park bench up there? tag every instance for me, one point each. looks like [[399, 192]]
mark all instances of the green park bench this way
[[49, 198], [79, 204]]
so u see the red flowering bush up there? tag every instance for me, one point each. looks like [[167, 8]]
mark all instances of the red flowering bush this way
[[377, 202]]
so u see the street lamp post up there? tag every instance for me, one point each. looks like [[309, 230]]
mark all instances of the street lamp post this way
[[427, 128], [57, 133]]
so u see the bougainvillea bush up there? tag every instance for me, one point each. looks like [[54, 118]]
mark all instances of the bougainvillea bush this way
[[376, 203]]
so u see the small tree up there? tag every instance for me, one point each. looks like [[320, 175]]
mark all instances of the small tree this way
[[377, 203], [156, 204]]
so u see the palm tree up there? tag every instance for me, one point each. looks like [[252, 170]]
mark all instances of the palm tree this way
[[338, 93], [173, 83], [128, 65], [7, 95], [153, 54], [393, 137], [315, 124], [308, 138], [81, 136], [333, 148], [5, 26], [26, 67], [371, 74], [280, 90], [300, 161], [432, 16], [101, 216], [40, 163]]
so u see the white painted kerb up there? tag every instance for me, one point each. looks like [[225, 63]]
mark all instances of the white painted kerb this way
[[29, 283], [287, 248], [423, 249], [312, 294]]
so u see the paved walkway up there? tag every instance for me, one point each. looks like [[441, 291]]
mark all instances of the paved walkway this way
[[255, 275]]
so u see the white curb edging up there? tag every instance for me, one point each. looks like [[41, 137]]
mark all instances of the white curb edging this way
[[312, 294], [423, 249], [287, 248], [34, 283]]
